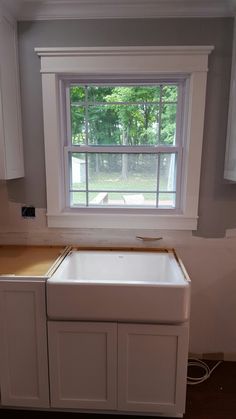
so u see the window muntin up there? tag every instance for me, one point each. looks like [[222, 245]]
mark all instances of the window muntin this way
[[124, 145]]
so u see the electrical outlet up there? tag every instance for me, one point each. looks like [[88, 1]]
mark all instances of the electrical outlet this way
[[28, 212]]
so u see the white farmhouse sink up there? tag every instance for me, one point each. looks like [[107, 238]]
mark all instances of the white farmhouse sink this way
[[119, 286]]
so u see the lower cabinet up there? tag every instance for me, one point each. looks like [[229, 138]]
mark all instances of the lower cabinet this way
[[99, 366], [83, 365], [152, 368], [129, 367], [23, 344]]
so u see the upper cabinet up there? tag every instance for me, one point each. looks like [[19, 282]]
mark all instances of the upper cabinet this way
[[230, 156], [11, 147]]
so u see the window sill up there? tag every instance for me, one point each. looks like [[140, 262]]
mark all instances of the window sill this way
[[124, 221]]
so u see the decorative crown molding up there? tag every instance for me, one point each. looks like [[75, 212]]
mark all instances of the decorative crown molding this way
[[174, 59], [105, 9], [129, 51]]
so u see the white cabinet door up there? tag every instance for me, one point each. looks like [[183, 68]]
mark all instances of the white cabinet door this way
[[23, 344], [152, 368], [83, 364], [11, 146], [230, 154]]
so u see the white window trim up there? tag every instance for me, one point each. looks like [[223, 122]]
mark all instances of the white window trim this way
[[118, 61]]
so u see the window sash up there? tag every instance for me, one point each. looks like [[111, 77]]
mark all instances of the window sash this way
[[157, 191], [180, 82]]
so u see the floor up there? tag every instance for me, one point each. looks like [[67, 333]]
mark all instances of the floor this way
[[213, 399], [216, 397]]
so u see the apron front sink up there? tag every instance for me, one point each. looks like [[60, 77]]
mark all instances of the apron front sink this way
[[119, 285]]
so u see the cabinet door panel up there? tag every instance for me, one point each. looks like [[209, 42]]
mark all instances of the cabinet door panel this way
[[152, 362], [23, 344], [11, 146], [83, 364]]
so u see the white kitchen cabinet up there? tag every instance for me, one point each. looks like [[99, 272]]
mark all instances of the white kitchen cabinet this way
[[23, 323], [145, 365], [152, 367], [230, 154], [23, 344], [11, 147], [83, 364]]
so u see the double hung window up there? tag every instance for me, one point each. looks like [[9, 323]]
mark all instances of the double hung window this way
[[123, 144], [123, 130]]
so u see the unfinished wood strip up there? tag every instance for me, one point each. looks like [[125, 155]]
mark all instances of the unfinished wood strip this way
[[121, 248], [182, 267], [58, 261]]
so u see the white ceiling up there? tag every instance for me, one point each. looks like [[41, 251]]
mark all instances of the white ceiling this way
[[85, 9]]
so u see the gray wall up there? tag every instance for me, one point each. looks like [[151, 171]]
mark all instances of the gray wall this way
[[217, 206]]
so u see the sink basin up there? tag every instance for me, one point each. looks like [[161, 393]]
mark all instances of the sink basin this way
[[143, 286]]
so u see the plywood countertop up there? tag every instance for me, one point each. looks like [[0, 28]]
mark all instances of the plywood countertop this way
[[29, 260]]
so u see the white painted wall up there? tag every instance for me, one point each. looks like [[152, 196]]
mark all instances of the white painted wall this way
[[211, 264]]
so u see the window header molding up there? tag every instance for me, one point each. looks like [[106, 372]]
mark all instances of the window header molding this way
[[117, 62], [174, 59]]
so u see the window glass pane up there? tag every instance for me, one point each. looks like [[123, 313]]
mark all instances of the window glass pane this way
[[116, 94], [168, 124], [167, 172], [169, 93], [122, 172], [167, 200], [78, 125], [99, 198], [78, 171], [98, 94], [78, 199], [130, 125], [103, 126], [142, 200], [77, 94]]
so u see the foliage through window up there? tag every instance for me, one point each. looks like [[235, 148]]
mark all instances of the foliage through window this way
[[123, 145]]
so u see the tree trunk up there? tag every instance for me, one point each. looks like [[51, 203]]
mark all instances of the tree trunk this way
[[125, 156]]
